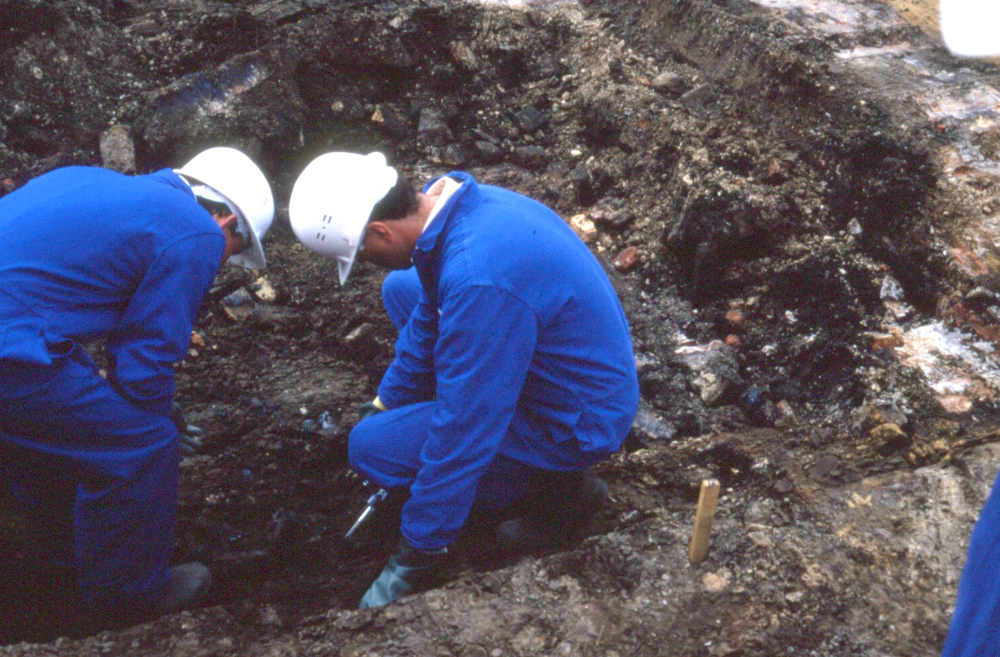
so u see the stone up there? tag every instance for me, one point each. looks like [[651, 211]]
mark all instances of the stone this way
[[145, 27], [237, 299], [627, 259], [649, 427], [391, 120], [668, 83], [773, 172], [889, 437], [784, 412], [530, 119], [488, 152], [268, 615], [584, 227], [465, 57], [263, 290], [756, 403], [580, 175], [360, 333], [715, 368], [257, 87], [532, 157], [700, 97], [482, 135], [784, 486], [613, 211], [892, 289], [239, 313], [277, 11], [825, 466], [118, 149], [886, 342], [455, 155], [432, 127]]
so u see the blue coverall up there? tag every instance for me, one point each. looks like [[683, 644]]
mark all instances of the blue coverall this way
[[517, 357], [89, 254], [975, 625]]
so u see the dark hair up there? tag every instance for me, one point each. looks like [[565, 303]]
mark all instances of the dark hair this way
[[398, 202], [214, 207]]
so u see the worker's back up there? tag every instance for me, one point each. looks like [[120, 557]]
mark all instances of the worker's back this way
[[581, 381], [81, 248]]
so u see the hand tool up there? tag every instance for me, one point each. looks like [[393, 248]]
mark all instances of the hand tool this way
[[373, 501]]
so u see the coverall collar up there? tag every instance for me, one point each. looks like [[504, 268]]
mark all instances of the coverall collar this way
[[444, 188], [169, 177], [462, 201]]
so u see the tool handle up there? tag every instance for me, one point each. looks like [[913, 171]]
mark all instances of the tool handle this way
[[377, 497]]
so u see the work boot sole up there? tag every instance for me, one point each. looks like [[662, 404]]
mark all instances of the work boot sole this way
[[189, 583]]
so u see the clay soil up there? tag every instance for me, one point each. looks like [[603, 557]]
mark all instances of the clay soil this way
[[748, 212]]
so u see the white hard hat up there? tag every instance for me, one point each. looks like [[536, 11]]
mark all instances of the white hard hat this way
[[235, 177], [332, 200]]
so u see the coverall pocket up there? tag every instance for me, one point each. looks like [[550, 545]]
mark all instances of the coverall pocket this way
[[69, 355]]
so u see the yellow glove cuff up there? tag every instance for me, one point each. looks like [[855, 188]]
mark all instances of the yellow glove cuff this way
[[379, 405]]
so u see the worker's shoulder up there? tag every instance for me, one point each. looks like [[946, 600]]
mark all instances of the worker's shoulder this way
[[106, 183], [73, 176]]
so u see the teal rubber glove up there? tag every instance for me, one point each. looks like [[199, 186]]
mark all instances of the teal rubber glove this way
[[190, 435], [365, 411], [407, 571]]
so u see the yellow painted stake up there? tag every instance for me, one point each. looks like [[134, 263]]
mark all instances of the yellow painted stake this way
[[707, 499]]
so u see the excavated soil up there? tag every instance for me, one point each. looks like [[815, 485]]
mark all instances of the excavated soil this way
[[752, 198]]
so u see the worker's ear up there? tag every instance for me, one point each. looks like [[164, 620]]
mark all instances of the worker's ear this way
[[379, 231], [227, 224]]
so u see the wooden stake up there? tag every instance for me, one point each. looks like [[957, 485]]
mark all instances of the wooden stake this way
[[707, 499]]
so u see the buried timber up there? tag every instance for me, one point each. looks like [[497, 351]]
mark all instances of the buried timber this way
[[804, 258]]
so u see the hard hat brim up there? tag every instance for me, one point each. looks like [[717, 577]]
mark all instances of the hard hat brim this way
[[344, 268], [251, 257]]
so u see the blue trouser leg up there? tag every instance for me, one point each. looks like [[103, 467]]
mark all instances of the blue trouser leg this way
[[385, 448], [400, 294], [975, 625], [122, 464], [46, 497]]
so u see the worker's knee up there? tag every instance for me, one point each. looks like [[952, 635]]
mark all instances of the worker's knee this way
[[359, 444], [385, 447]]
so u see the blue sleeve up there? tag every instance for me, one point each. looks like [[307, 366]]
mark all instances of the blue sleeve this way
[[155, 330], [487, 339], [410, 377]]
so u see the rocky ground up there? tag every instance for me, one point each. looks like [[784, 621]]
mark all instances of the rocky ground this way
[[796, 203]]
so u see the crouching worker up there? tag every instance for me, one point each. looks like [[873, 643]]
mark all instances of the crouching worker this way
[[514, 369], [90, 254]]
